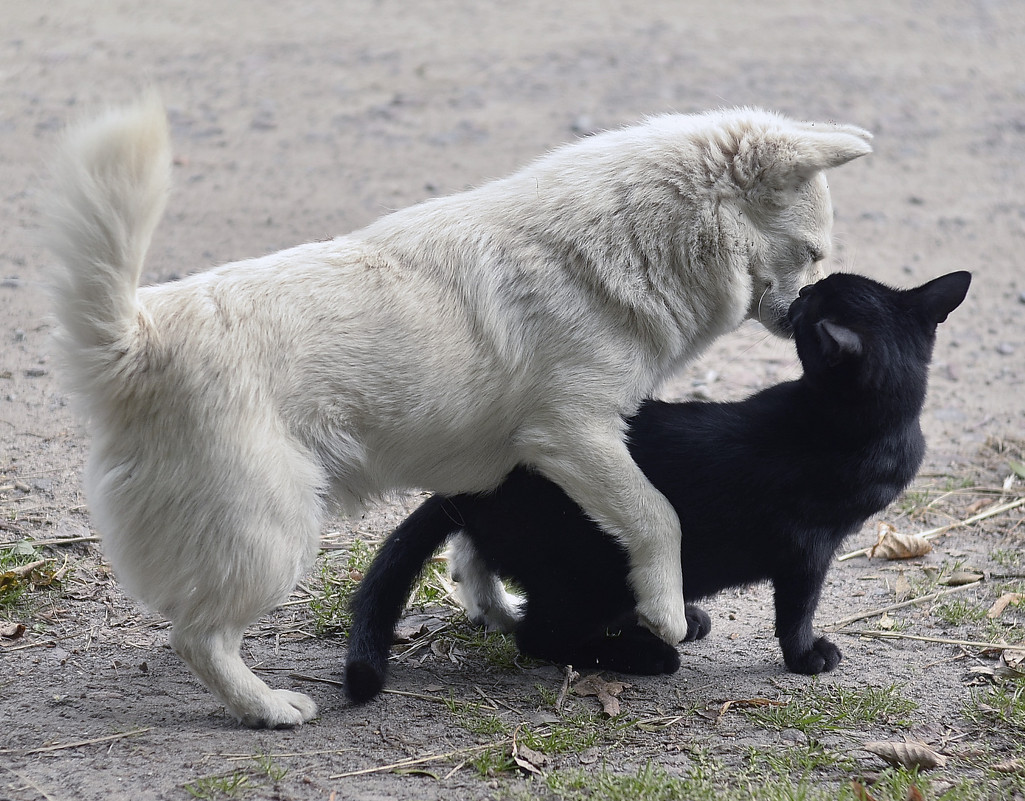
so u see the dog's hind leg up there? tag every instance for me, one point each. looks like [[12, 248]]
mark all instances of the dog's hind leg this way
[[259, 567], [228, 552], [261, 560], [215, 659]]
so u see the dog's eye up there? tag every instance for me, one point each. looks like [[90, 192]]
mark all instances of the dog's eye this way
[[815, 255]]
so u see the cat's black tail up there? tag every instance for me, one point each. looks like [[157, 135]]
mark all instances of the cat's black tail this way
[[384, 590]]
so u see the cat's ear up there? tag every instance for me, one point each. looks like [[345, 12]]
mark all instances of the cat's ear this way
[[837, 341], [942, 295]]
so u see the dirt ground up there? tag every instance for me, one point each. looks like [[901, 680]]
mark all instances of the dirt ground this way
[[295, 121]]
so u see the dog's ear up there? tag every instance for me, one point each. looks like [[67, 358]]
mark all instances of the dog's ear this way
[[775, 156], [820, 146]]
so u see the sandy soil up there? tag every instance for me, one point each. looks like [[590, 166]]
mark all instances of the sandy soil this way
[[299, 121]]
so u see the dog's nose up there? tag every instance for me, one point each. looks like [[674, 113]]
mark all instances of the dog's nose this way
[[804, 291]]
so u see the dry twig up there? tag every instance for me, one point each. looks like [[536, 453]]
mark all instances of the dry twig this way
[[407, 763], [569, 677], [839, 624], [898, 635], [77, 744], [935, 532]]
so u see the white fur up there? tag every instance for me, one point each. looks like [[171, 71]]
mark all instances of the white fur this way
[[437, 348]]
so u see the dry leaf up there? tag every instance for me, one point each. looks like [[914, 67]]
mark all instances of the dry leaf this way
[[961, 577], [1001, 671], [892, 545], [914, 794], [902, 588], [24, 570], [11, 631], [978, 506], [909, 755], [746, 702], [1014, 657], [886, 622], [606, 692], [1002, 603], [1010, 766], [860, 793], [407, 633], [527, 758]]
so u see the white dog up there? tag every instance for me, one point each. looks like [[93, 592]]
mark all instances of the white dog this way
[[517, 323]]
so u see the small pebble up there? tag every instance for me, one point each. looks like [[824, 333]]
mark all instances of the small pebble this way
[[1005, 348], [36, 372], [19, 334]]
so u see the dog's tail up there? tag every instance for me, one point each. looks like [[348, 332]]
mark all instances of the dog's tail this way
[[112, 177], [382, 594]]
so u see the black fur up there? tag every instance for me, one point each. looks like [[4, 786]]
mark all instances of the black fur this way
[[766, 489]]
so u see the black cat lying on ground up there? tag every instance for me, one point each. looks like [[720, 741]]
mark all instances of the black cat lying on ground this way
[[766, 489]]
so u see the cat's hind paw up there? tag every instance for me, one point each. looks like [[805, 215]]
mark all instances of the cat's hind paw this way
[[822, 657]]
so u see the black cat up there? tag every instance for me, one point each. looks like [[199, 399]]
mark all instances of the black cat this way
[[766, 489]]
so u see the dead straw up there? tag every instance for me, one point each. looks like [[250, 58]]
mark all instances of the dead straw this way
[[839, 624], [898, 635], [407, 763], [77, 744]]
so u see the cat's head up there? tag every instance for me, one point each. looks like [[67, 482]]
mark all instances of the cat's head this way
[[856, 335]]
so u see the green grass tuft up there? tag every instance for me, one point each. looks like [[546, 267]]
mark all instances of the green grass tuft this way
[[16, 585], [818, 708]]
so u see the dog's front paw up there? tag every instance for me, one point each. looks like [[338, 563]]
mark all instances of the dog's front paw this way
[[665, 617], [279, 709], [698, 623], [822, 657]]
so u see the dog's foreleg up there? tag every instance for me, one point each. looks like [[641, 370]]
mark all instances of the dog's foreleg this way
[[595, 469], [215, 659], [480, 592]]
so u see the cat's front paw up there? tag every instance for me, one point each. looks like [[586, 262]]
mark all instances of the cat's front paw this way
[[698, 623], [822, 657]]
